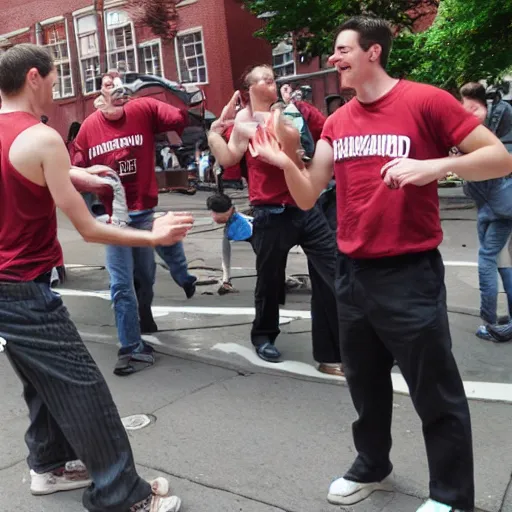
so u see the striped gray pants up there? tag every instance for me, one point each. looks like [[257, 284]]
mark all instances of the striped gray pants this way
[[72, 414]]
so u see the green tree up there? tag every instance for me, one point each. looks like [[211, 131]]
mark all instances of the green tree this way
[[314, 21], [469, 40]]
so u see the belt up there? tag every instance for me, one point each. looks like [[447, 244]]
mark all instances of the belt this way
[[45, 278]]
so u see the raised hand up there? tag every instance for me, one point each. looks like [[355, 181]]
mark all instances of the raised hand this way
[[407, 171], [227, 116], [266, 146], [172, 227]]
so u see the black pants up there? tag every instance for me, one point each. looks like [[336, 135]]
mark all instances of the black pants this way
[[274, 235], [72, 415], [395, 308], [323, 301]]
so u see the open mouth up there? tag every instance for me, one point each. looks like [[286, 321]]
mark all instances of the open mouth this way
[[343, 68]]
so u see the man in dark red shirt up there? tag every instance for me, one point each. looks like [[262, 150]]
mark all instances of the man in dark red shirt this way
[[72, 415], [278, 226], [388, 147], [120, 135]]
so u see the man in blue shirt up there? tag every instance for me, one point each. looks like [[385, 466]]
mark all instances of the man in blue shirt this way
[[237, 228]]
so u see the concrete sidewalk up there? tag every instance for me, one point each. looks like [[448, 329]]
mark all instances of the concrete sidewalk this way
[[252, 442], [236, 436]]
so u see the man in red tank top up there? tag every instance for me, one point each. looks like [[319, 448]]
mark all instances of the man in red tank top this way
[[388, 148], [278, 226], [71, 410]]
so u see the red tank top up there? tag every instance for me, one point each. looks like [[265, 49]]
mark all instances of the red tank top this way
[[28, 220]]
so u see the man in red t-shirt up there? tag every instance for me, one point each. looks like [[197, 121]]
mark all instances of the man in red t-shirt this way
[[388, 147], [72, 415], [120, 135], [278, 225]]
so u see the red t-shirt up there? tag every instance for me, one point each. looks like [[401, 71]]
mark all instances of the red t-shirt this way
[[28, 220], [128, 147], [413, 120]]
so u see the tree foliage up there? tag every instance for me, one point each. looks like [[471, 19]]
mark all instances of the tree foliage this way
[[469, 40], [314, 21]]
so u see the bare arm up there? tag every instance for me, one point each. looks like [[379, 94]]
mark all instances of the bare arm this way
[[56, 166], [484, 158], [226, 154], [307, 184], [226, 259], [87, 180]]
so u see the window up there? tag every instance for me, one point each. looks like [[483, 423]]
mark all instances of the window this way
[[283, 60], [150, 58], [120, 42], [191, 57], [55, 37], [88, 52]]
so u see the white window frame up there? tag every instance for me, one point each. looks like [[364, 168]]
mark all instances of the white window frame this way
[[286, 64], [177, 55], [54, 21], [153, 42], [76, 18], [119, 7]]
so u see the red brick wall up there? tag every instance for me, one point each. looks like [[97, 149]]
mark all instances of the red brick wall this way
[[19, 14], [246, 49], [211, 16]]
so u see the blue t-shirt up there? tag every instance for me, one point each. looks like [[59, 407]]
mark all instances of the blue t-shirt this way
[[239, 227]]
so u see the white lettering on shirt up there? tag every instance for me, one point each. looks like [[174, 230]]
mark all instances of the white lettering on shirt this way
[[114, 144], [392, 146], [127, 167]]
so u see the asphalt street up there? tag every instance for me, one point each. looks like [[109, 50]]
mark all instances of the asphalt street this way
[[235, 434]]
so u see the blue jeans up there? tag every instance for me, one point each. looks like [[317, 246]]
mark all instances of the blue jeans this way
[[174, 258], [71, 411], [124, 264], [493, 236]]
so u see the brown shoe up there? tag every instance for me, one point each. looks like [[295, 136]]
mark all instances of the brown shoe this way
[[331, 369]]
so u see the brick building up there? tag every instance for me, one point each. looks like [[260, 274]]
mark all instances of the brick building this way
[[213, 45]]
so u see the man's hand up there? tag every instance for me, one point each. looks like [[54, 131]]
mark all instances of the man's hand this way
[[406, 171], [97, 169], [171, 228], [227, 116], [265, 146]]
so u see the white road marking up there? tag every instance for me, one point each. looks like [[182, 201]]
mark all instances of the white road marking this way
[[151, 339], [460, 264], [474, 390], [159, 311]]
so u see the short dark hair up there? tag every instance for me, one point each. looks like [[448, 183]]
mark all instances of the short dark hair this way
[[371, 31], [219, 203], [474, 91], [17, 61]]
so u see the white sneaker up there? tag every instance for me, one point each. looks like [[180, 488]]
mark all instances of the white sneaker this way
[[347, 492], [435, 506], [159, 501], [73, 476]]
